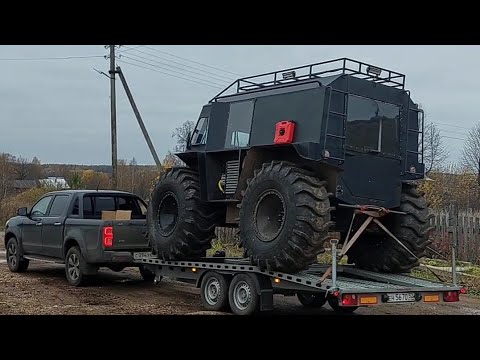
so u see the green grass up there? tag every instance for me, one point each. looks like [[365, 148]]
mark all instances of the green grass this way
[[474, 270], [436, 262], [231, 250], [470, 281]]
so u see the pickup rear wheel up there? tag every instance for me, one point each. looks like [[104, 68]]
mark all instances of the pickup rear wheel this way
[[74, 265], [15, 262]]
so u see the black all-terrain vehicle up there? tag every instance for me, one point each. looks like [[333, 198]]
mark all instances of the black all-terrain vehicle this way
[[285, 155]]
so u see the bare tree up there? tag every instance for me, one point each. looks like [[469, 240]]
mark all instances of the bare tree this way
[[22, 168], [35, 170], [6, 171], [181, 133], [434, 152], [471, 150]]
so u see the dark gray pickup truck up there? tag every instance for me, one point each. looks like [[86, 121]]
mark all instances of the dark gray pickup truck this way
[[67, 227]]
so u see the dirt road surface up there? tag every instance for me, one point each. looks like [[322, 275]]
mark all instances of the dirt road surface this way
[[43, 289]]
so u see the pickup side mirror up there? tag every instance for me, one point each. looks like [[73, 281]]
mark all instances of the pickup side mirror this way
[[22, 211]]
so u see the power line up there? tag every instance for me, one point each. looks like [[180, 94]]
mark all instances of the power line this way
[[192, 61], [52, 58], [129, 48], [161, 72], [208, 78], [178, 72], [184, 65], [455, 126], [451, 137]]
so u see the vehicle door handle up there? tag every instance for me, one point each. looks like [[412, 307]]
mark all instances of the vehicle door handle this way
[[57, 224], [38, 224]]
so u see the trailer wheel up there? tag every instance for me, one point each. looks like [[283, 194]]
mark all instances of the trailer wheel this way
[[180, 224], [214, 291], [312, 300], [243, 296], [284, 217], [333, 302]]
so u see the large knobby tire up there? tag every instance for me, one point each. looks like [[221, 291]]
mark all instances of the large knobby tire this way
[[380, 253], [15, 262], [284, 217], [180, 225]]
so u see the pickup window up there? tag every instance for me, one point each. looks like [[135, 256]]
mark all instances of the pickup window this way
[[93, 205], [59, 205]]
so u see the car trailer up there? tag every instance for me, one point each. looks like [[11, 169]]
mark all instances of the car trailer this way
[[248, 289]]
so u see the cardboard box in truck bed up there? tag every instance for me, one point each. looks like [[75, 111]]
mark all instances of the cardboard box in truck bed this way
[[117, 215]]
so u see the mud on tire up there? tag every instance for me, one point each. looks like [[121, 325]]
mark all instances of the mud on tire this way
[[284, 217], [180, 225], [383, 254]]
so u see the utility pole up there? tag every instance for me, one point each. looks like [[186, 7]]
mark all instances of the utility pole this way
[[113, 112], [139, 118]]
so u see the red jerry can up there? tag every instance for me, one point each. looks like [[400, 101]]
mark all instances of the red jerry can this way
[[284, 131]]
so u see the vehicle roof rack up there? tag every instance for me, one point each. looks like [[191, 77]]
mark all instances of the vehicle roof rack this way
[[341, 66]]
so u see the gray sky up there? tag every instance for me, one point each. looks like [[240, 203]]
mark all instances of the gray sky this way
[[59, 110]]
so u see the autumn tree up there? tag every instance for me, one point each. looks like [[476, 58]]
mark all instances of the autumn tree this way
[[181, 134], [171, 160], [471, 150], [93, 180], [434, 152]]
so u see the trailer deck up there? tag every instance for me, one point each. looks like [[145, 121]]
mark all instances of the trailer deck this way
[[346, 289]]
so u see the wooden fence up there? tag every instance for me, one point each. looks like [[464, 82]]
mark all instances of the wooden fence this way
[[468, 229], [468, 235]]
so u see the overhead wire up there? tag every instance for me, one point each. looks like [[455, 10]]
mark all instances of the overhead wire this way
[[174, 71], [52, 58], [184, 65], [192, 61], [161, 72], [208, 77]]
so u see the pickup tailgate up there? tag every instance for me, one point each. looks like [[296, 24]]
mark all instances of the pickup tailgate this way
[[129, 235]]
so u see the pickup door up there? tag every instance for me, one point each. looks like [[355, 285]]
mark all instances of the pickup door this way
[[53, 225], [128, 234]]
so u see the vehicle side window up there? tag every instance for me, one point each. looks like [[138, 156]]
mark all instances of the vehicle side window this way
[[143, 207], [199, 136], [88, 207], [130, 203], [239, 123], [102, 203], [59, 204], [76, 207], [41, 207]]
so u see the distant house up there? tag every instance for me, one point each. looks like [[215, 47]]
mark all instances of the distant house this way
[[20, 186], [56, 182]]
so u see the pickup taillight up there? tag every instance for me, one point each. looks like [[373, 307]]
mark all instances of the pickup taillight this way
[[108, 236]]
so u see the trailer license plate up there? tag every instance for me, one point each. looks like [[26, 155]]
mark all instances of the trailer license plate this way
[[401, 297], [142, 255]]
